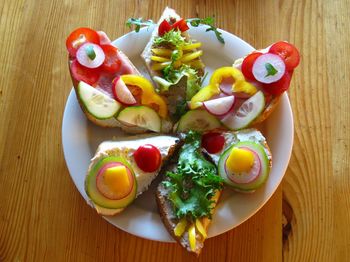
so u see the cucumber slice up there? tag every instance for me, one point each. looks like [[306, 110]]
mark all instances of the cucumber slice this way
[[141, 116], [97, 103], [259, 150], [197, 120], [246, 113], [97, 197]]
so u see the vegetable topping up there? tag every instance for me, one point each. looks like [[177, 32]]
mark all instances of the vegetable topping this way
[[148, 158]]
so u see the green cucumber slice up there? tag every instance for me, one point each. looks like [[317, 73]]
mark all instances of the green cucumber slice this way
[[97, 197], [264, 172], [246, 113], [141, 116], [97, 103], [197, 120]]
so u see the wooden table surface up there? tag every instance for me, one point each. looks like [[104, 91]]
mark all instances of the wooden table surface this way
[[44, 218]]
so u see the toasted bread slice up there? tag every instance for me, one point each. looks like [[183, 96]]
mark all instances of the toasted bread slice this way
[[125, 148]]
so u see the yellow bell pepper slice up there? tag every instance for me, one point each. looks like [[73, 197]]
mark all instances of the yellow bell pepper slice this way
[[196, 64], [180, 227], [191, 56], [149, 96], [224, 72], [191, 46], [204, 94], [201, 229], [162, 51], [160, 66], [159, 59], [192, 237], [244, 86]]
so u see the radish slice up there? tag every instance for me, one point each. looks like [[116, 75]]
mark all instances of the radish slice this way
[[90, 55], [269, 68], [219, 106], [246, 177], [226, 85], [122, 93], [104, 39]]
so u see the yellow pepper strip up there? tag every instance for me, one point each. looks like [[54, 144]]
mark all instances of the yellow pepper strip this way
[[200, 228], [162, 51], [160, 66], [192, 237], [191, 56], [244, 86], [149, 96], [159, 59], [204, 94], [196, 64], [191, 46], [224, 72], [180, 227]]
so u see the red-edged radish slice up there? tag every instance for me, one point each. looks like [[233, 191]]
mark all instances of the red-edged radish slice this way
[[269, 68], [104, 39], [122, 93], [105, 190], [219, 106], [226, 85], [246, 177], [90, 55]]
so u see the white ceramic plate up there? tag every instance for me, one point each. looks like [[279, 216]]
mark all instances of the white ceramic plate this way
[[80, 139]]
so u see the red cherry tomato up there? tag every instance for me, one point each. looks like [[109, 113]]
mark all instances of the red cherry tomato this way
[[247, 65], [280, 86], [213, 142], [112, 62], [181, 25], [148, 158], [288, 52], [82, 73], [79, 37], [164, 27]]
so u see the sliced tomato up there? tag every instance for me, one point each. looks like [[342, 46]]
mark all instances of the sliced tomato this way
[[213, 142], [247, 65], [288, 52], [148, 158], [82, 73], [80, 36], [164, 27], [181, 25], [112, 62], [280, 86]]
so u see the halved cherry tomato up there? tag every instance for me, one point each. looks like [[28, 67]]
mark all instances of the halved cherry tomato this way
[[112, 62], [82, 73], [79, 37], [148, 158], [181, 25], [280, 86], [164, 27], [247, 65], [213, 142], [288, 52]]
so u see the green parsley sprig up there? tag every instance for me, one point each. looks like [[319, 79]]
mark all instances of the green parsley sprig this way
[[195, 22], [138, 23]]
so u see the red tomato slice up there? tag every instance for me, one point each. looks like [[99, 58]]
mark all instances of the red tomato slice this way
[[148, 158], [181, 25], [280, 86], [164, 27], [112, 62], [247, 65], [79, 37], [288, 52], [82, 73], [213, 142]]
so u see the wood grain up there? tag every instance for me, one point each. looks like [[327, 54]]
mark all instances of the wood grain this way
[[44, 218]]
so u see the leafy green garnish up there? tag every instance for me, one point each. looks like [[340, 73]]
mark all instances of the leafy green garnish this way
[[271, 71], [195, 182], [138, 23], [90, 52], [181, 109], [195, 22], [172, 37]]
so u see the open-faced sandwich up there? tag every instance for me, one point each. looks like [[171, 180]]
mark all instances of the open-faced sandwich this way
[[194, 179], [122, 170], [109, 88], [173, 60], [244, 94]]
